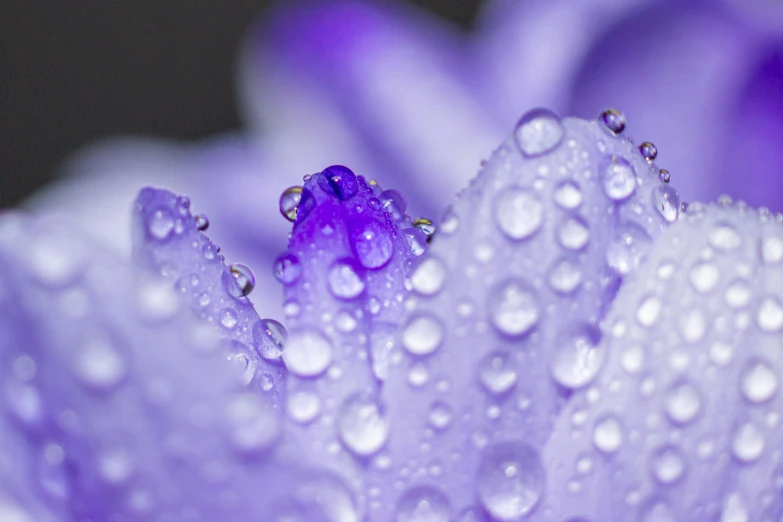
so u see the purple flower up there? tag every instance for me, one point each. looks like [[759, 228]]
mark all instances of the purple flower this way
[[570, 342]]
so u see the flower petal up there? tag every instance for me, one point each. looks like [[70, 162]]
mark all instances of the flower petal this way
[[684, 421], [503, 322]]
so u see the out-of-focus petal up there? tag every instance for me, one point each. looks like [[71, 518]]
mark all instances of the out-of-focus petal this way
[[684, 422], [379, 87], [503, 324]]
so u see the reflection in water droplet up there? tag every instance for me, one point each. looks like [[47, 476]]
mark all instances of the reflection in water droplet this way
[[244, 280], [371, 243], [289, 202], [648, 151], [308, 353], [363, 425], [426, 226], [518, 213], [613, 120], [513, 307], [423, 504], [202, 222], [664, 175], [510, 480], [538, 132]]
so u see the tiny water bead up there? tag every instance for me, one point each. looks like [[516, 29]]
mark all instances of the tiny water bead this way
[[518, 213], [287, 269], [538, 132], [513, 307], [339, 181], [619, 179], [345, 280], [667, 201], [497, 373], [243, 278], [289, 202], [363, 425], [371, 243], [648, 151], [423, 504], [771, 250], [664, 175], [613, 120], [202, 222], [308, 353], [578, 356], [510, 480], [269, 337]]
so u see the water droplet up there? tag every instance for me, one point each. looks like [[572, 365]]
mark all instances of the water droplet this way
[[287, 269], [648, 311], [269, 338], [619, 179], [160, 224], [568, 195], [564, 276], [748, 443], [667, 465], [738, 294], [648, 151], [338, 181], [308, 353], [721, 353], [664, 175], [608, 435], [228, 318], [99, 364], [682, 403], [394, 203], [510, 480], [518, 213], [202, 222], [632, 359], [422, 335], [371, 243], [429, 276], [578, 356], [244, 280], [252, 426], [303, 407], [667, 201], [426, 226], [704, 276], [538, 132], [759, 382], [289, 202], [692, 325], [657, 511], [440, 415], [423, 504], [613, 120], [771, 249], [497, 373], [345, 281], [513, 307], [157, 300], [418, 375], [573, 233], [628, 248], [363, 425], [770, 315], [115, 465], [724, 237], [416, 240]]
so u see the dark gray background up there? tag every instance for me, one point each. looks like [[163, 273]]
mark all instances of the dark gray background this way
[[75, 70]]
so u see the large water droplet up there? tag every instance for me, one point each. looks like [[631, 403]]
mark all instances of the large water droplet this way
[[497, 373], [770, 314], [724, 237], [289, 202], [619, 179], [160, 224], [339, 181], [429, 276], [308, 353], [538, 132], [513, 307], [613, 120], [510, 480], [345, 280], [422, 335], [682, 403], [667, 201], [518, 213], [202, 222], [269, 338], [748, 443], [371, 243], [423, 504], [704, 276], [628, 248], [363, 425], [573, 233], [759, 382], [578, 356], [608, 435], [771, 249], [648, 151]]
